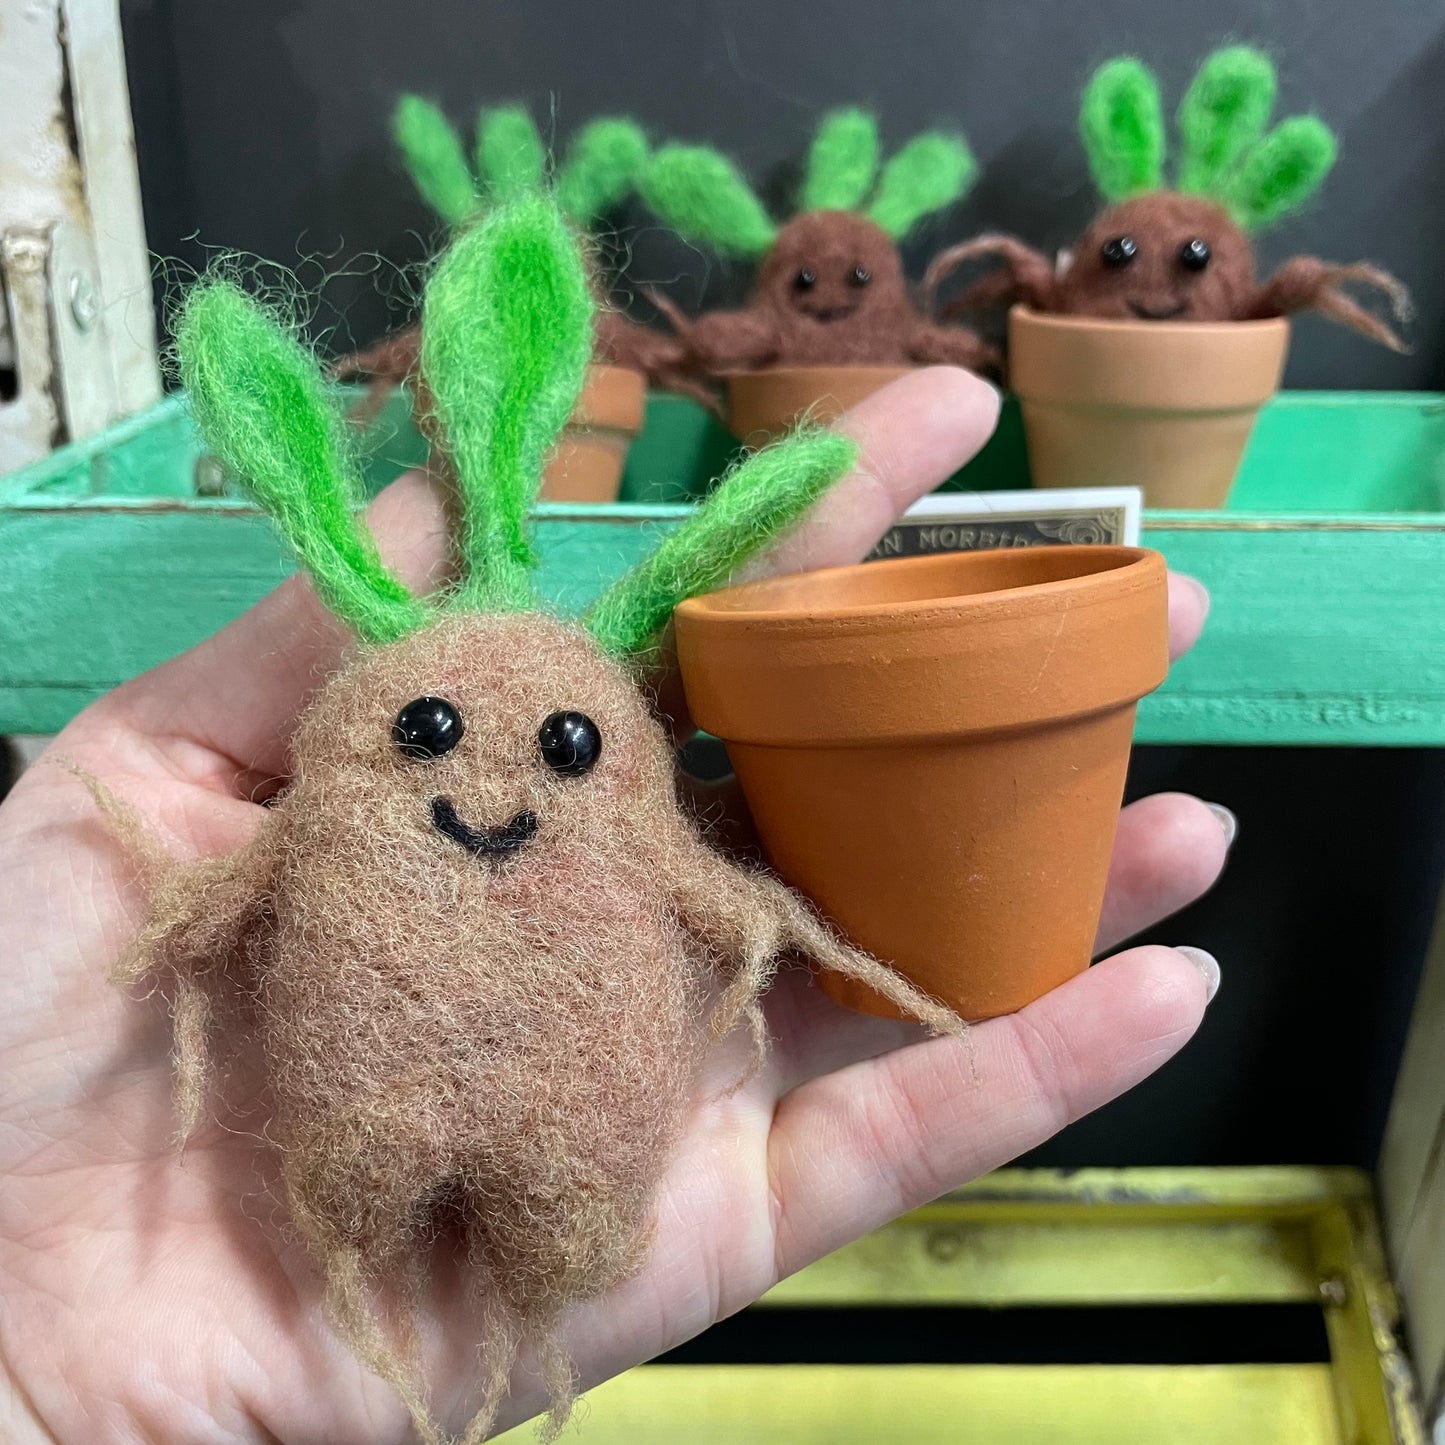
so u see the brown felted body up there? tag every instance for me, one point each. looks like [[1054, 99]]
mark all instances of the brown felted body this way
[[1155, 283], [522, 1029], [855, 309], [503, 1046]]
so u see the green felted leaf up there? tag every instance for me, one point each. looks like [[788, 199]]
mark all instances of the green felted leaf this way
[[1282, 172], [506, 338], [435, 159], [842, 162], [1121, 122], [602, 166], [511, 158], [755, 503], [932, 171], [265, 409], [700, 194], [1224, 112]]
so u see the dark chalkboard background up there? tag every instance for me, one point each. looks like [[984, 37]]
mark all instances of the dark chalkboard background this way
[[263, 126]]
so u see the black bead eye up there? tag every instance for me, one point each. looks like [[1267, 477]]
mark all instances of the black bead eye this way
[[861, 276], [806, 279], [570, 743], [1119, 251], [1194, 255], [427, 728]]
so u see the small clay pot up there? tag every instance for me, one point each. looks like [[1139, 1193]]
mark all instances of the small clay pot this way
[[1163, 405], [763, 405], [934, 749], [592, 452]]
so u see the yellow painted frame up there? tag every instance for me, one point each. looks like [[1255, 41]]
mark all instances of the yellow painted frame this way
[[1097, 1237]]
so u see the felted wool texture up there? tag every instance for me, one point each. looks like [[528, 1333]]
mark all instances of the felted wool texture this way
[[202, 940], [1305, 283], [1155, 284], [1224, 112], [506, 338], [600, 168], [700, 193], [501, 1047], [659, 355], [194, 919], [527, 1027], [1227, 155], [1234, 177], [435, 159], [1121, 121], [747, 510], [834, 320], [283, 435], [932, 171], [702, 196], [511, 158], [1282, 172], [842, 162], [495, 1043]]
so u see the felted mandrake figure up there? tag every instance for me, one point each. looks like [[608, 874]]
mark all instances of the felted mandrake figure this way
[[597, 172], [1184, 254], [479, 949], [830, 288]]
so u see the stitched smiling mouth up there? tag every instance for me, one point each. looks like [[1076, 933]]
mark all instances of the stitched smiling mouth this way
[[1149, 313], [484, 842], [828, 313]]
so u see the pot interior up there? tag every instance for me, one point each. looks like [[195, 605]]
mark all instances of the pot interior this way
[[884, 585]]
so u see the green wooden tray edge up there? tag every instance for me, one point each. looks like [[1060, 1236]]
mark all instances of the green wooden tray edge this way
[[1328, 627]]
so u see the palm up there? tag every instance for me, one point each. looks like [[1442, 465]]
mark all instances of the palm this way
[[156, 1295]]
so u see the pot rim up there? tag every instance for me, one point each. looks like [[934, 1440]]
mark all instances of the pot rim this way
[[1132, 566], [1047, 320], [948, 665]]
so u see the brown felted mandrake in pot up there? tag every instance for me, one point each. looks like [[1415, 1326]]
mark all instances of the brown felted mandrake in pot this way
[[831, 317], [1159, 253], [477, 946]]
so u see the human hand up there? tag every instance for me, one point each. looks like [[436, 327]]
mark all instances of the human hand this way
[[150, 1295]]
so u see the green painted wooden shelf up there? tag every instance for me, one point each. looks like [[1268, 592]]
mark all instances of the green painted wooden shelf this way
[[1327, 570]]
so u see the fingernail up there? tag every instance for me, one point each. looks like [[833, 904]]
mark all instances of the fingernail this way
[[1207, 965], [1198, 588], [1226, 820]]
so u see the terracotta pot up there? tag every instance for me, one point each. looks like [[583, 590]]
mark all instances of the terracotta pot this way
[[762, 405], [592, 453], [934, 749], [1163, 405]]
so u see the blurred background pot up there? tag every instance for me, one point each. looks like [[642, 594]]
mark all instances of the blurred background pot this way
[[592, 454], [764, 404], [1163, 405]]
